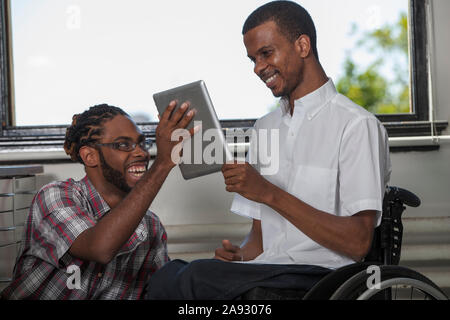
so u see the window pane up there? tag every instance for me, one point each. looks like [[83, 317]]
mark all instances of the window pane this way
[[72, 54]]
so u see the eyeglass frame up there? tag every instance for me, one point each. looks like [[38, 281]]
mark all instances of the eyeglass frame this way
[[145, 145]]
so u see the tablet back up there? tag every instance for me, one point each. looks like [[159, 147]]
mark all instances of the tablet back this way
[[207, 150]]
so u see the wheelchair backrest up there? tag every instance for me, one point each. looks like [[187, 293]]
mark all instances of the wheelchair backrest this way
[[387, 241]]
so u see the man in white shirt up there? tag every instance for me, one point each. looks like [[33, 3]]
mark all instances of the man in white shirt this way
[[318, 211]]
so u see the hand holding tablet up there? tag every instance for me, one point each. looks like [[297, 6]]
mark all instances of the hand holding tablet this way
[[207, 150]]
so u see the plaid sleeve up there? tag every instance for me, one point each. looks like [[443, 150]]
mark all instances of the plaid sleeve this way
[[161, 249], [159, 242], [61, 214]]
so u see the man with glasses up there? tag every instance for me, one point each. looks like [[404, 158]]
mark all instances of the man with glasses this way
[[95, 238]]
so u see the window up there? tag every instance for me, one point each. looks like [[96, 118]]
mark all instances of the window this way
[[58, 57]]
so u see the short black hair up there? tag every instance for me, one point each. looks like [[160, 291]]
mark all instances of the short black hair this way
[[87, 127], [291, 18]]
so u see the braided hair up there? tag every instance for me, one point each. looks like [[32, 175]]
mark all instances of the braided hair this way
[[87, 127]]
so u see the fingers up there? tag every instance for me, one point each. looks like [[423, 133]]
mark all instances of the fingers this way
[[233, 182], [179, 118], [177, 115], [234, 188], [166, 114], [223, 255], [187, 119], [228, 169], [235, 172], [228, 252], [221, 258], [227, 245], [232, 173]]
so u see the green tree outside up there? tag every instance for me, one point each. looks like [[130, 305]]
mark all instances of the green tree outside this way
[[368, 88]]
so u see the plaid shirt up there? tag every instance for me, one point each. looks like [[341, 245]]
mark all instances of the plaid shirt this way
[[44, 269]]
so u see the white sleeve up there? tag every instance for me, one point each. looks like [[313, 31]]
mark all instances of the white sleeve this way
[[245, 207], [364, 167]]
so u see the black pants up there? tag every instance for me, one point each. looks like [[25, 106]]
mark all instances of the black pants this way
[[210, 279]]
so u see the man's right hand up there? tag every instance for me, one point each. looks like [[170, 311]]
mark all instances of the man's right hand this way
[[229, 252], [170, 122]]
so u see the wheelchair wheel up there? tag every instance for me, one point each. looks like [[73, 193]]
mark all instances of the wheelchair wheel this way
[[396, 283], [325, 288]]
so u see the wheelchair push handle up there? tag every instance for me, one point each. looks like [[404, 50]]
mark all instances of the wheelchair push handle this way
[[405, 196]]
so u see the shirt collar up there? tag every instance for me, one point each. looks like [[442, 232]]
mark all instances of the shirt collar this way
[[313, 102], [95, 199]]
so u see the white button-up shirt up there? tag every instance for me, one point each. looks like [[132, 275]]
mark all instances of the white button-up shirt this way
[[331, 154]]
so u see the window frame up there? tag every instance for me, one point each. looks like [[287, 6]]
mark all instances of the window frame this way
[[416, 123]]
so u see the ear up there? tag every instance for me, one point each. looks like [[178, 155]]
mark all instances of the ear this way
[[303, 46], [90, 156]]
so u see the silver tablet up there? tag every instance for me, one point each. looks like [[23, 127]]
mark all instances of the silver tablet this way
[[207, 150]]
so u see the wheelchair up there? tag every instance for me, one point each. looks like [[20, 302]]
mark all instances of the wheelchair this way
[[378, 276]]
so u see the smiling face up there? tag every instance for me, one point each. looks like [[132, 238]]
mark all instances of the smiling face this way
[[278, 61], [122, 169]]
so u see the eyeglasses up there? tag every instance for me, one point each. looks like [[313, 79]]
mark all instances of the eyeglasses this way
[[128, 146]]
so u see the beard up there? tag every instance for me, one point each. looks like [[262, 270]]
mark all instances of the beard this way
[[113, 176]]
